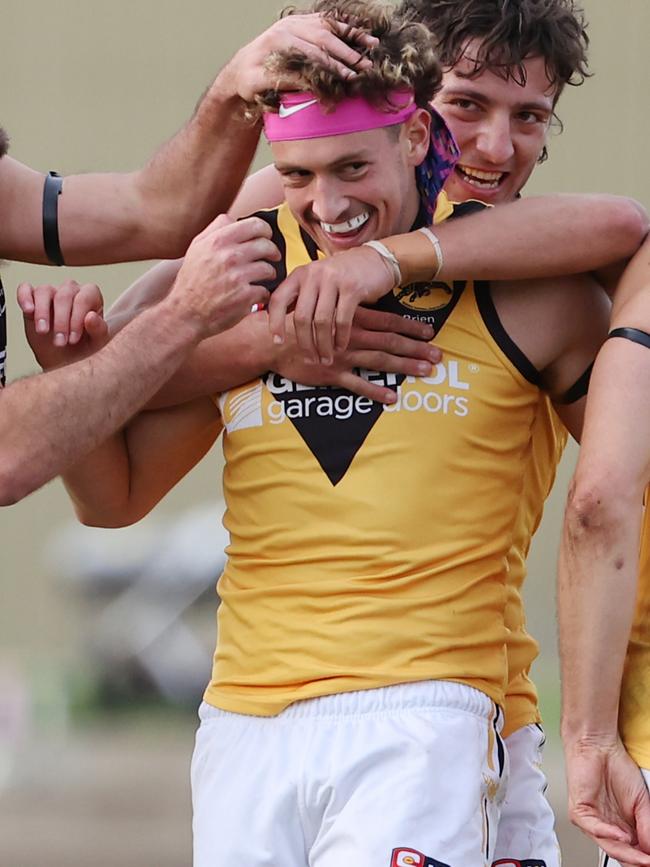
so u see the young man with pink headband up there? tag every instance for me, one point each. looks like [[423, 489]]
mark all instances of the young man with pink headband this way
[[354, 714], [335, 595], [314, 403]]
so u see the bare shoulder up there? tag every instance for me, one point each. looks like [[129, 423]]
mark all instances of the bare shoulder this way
[[548, 317], [261, 190]]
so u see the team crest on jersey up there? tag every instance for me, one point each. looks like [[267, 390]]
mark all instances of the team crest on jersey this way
[[509, 862], [424, 296], [413, 858]]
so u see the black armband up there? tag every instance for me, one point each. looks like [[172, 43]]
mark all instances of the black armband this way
[[578, 389], [51, 193], [633, 334]]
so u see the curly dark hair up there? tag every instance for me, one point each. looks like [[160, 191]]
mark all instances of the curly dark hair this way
[[403, 58], [508, 31]]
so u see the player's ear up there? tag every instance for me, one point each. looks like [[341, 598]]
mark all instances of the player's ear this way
[[417, 130]]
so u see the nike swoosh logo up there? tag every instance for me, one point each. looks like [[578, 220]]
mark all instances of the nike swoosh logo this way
[[288, 110]]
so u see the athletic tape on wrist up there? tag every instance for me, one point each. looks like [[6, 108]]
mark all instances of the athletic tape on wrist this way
[[436, 246], [388, 257]]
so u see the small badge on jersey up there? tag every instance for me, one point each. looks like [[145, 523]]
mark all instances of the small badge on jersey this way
[[424, 296], [413, 858], [428, 302], [509, 862]]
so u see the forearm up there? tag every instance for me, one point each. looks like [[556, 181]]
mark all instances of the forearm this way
[[99, 484], [600, 547], [222, 362], [198, 173], [155, 212], [50, 420], [533, 237], [152, 213], [147, 290], [260, 190], [123, 479], [596, 594]]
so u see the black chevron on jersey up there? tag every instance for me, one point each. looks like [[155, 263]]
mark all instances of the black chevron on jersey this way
[[338, 428], [338, 422]]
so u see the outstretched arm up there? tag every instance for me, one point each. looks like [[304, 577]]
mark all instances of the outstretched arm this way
[[49, 421], [597, 583], [539, 236], [156, 211], [546, 236], [261, 190]]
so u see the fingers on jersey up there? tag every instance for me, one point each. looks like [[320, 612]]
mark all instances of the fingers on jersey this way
[[378, 320], [323, 312], [217, 281], [364, 387], [316, 301], [399, 338], [327, 295]]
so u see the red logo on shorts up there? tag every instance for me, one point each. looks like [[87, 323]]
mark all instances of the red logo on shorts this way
[[411, 858]]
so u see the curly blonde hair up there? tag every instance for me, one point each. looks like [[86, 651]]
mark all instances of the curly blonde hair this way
[[403, 58]]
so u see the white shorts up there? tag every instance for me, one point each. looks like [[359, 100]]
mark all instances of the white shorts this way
[[526, 836], [605, 860], [411, 775]]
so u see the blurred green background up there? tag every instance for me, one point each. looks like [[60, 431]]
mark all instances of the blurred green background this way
[[93, 84]]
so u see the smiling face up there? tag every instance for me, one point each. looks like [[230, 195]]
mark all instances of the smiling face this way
[[348, 189], [500, 127]]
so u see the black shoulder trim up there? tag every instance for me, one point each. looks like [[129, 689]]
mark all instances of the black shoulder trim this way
[[579, 388], [500, 335], [471, 206], [271, 217], [310, 245], [633, 334]]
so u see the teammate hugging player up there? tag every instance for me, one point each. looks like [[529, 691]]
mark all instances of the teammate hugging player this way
[[354, 708]]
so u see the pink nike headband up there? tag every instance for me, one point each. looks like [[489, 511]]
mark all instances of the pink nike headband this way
[[302, 116]]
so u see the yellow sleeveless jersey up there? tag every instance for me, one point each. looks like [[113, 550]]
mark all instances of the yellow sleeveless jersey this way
[[548, 440], [369, 544], [634, 709]]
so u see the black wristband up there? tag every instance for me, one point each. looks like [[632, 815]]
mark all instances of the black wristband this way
[[51, 193], [633, 334]]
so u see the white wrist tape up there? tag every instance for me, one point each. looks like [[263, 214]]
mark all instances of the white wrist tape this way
[[386, 254], [436, 246]]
